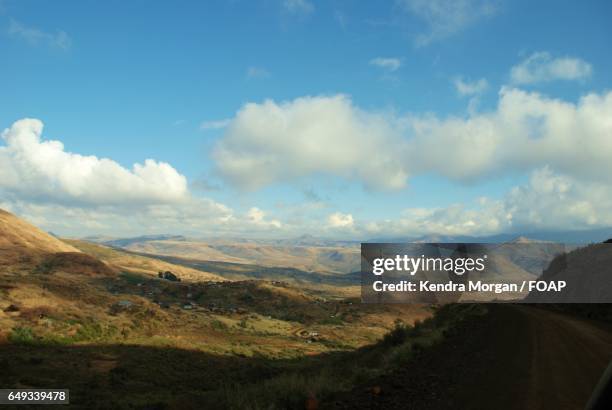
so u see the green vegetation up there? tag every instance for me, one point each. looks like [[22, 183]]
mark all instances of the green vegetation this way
[[95, 332], [333, 321], [26, 336], [22, 335], [44, 267], [133, 278], [218, 325], [85, 332]]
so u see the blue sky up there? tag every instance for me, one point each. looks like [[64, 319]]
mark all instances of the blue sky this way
[[138, 80]]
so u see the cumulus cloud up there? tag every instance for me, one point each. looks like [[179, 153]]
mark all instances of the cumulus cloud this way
[[549, 201], [340, 220], [196, 217], [258, 217], [470, 88], [453, 220], [541, 67], [33, 168], [386, 63], [445, 18], [79, 195], [526, 131], [33, 36], [283, 142], [272, 142]]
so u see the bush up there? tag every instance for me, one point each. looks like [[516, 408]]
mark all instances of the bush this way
[[22, 335], [398, 335], [218, 325], [337, 321], [90, 331], [44, 267]]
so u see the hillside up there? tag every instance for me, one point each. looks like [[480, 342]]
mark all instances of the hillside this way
[[93, 318], [21, 242], [140, 264], [593, 261], [332, 259], [79, 293]]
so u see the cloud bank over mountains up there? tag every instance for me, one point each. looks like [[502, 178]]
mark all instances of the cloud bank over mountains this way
[[547, 202]]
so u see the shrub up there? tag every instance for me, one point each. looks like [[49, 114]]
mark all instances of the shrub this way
[[332, 321], [22, 335], [218, 325], [398, 335]]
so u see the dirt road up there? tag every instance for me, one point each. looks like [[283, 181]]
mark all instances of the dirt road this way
[[515, 357]]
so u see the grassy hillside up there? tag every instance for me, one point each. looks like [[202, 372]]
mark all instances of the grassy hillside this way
[[334, 259], [23, 242], [138, 263], [594, 261], [341, 284]]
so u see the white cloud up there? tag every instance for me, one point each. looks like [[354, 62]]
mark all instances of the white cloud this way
[[470, 88], [541, 67], [271, 142], [34, 36], [387, 63], [303, 7], [258, 217], [452, 220], [197, 216], [526, 131], [74, 194], [548, 201], [340, 220], [42, 170], [445, 18], [257, 72], [215, 124]]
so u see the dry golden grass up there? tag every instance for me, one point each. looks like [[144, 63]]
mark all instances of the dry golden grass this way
[[140, 264], [308, 258], [21, 241], [75, 292]]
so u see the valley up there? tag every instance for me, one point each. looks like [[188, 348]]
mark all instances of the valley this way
[[99, 308], [132, 330]]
